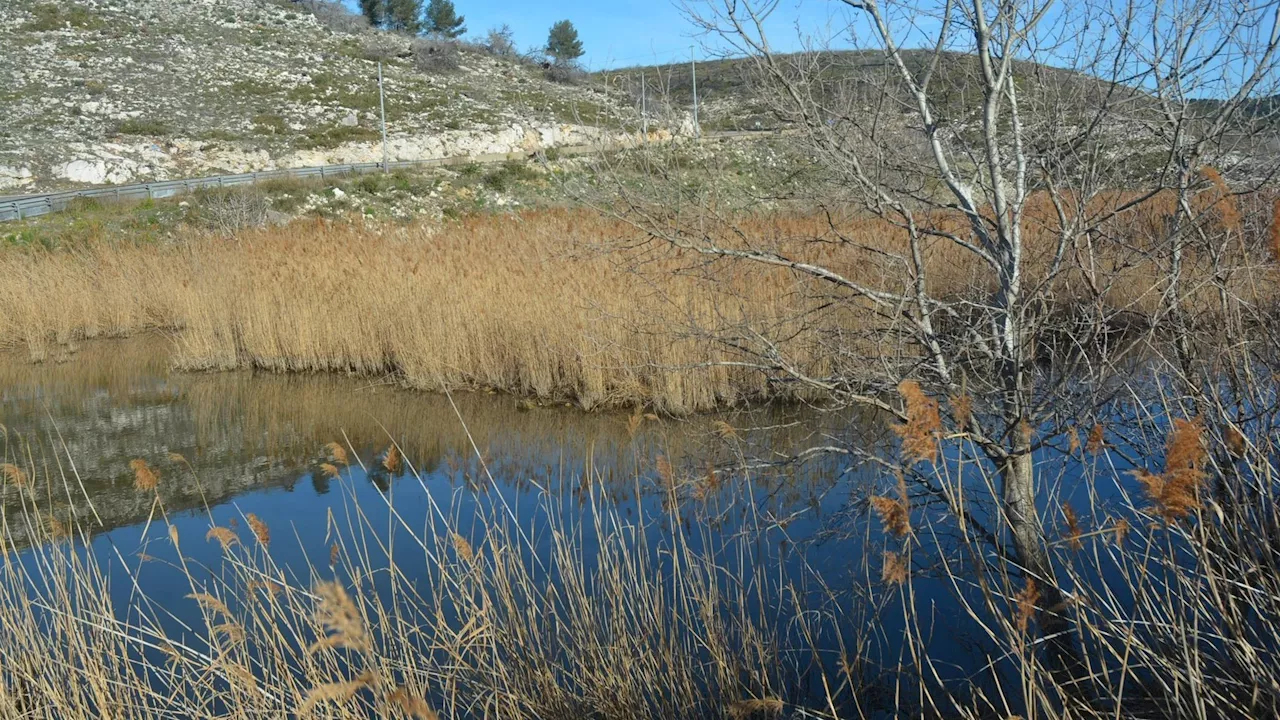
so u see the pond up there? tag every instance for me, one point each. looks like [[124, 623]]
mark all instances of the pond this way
[[254, 452], [251, 491]]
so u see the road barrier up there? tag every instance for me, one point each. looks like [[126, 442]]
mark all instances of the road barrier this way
[[19, 207]]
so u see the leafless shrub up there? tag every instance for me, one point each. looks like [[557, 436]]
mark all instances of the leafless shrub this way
[[564, 73], [381, 46], [336, 17], [230, 210], [435, 54], [500, 41]]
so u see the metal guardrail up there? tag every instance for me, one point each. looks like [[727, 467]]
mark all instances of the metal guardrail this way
[[19, 207]]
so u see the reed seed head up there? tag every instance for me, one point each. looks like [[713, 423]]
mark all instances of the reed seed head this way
[[260, 529], [145, 479], [924, 423], [341, 620], [13, 474], [894, 571], [393, 462], [1025, 605], [337, 453]]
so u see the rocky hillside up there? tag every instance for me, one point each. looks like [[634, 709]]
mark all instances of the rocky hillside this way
[[116, 91]]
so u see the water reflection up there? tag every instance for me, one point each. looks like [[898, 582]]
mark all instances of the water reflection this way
[[213, 437]]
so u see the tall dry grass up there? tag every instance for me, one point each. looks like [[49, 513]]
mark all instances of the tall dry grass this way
[[558, 614], [559, 304]]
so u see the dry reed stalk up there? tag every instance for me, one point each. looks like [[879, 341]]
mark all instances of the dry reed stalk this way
[[540, 320], [330, 471]]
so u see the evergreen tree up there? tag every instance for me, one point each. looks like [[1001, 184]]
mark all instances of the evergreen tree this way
[[563, 43], [374, 10], [443, 19], [404, 15]]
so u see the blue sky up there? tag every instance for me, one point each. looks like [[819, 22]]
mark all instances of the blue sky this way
[[618, 33]]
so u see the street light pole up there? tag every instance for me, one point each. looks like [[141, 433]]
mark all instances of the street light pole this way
[[382, 107], [693, 64]]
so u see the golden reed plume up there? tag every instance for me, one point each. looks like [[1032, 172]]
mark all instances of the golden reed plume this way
[[924, 423], [145, 478], [1175, 493]]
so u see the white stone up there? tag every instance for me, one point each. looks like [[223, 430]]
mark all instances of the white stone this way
[[338, 194], [11, 177], [351, 120], [93, 172]]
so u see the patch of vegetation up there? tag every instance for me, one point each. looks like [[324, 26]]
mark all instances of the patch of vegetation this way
[[270, 124], [510, 174], [140, 126], [48, 17], [248, 87], [331, 137]]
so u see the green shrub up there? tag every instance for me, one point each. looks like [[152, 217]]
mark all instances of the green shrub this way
[[139, 126], [331, 137], [48, 16], [270, 124]]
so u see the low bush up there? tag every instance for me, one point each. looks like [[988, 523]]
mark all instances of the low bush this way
[[436, 55]]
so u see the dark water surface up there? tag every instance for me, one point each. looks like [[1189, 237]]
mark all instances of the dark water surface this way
[[228, 445]]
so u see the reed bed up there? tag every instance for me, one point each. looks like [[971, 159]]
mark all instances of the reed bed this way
[[556, 304], [559, 615], [589, 611]]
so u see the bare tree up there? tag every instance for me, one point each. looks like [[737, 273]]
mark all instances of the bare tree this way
[[1007, 187]]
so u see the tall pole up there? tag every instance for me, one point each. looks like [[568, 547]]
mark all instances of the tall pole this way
[[693, 64], [382, 108], [644, 107]]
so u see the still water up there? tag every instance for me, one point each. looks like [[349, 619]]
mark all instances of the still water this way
[[228, 446]]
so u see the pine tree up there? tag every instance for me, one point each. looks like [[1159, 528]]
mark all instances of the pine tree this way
[[563, 43], [374, 10], [443, 19], [404, 15]]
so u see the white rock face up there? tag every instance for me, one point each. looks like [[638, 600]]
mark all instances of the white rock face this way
[[14, 177], [93, 172]]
